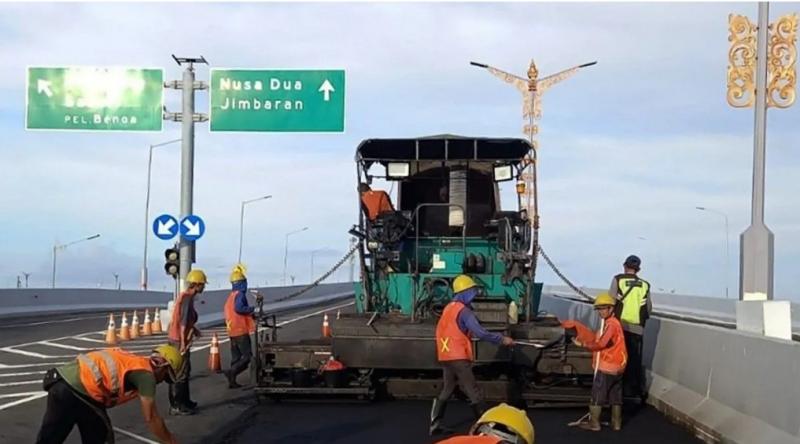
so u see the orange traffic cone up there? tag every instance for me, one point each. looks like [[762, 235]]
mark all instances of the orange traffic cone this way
[[326, 328], [147, 327], [111, 334], [156, 321], [214, 363], [135, 326], [124, 329]]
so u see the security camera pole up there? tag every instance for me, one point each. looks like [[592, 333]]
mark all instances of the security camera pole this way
[[187, 117]]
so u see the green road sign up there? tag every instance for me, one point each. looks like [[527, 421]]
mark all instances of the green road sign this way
[[277, 100], [89, 98]]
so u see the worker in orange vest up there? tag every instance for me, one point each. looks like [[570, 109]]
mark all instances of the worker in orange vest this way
[[240, 325], [374, 203], [81, 392], [609, 360], [501, 424], [454, 332], [181, 333]]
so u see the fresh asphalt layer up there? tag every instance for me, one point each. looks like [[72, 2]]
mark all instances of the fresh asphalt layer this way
[[28, 347]]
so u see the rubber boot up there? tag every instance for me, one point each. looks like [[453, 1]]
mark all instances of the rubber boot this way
[[437, 413], [616, 418], [594, 419]]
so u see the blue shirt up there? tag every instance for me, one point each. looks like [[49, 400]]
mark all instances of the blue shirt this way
[[240, 304], [468, 322]]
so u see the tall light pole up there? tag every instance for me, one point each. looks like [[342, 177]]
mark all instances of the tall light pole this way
[[57, 247], [27, 275], [286, 250], [147, 208], [116, 281], [313, 252], [241, 221], [727, 245]]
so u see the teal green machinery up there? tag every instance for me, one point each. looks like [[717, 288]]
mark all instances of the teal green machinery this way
[[446, 219]]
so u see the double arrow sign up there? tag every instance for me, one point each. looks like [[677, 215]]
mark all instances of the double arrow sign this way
[[191, 228]]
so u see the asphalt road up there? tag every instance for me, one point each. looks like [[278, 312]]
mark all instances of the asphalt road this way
[[232, 416]]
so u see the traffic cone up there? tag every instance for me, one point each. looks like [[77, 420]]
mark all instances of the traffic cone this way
[[147, 327], [214, 363], [326, 328], [124, 329], [111, 334], [156, 321], [135, 326]]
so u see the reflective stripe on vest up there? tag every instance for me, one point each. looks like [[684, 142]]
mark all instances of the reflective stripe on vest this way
[[452, 344], [235, 323], [634, 301]]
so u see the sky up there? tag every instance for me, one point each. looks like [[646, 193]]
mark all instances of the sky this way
[[629, 147]]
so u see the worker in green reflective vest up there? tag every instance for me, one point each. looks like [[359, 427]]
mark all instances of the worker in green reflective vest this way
[[633, 310]]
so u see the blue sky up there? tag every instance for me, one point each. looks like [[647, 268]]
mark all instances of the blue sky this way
[[629, 146]]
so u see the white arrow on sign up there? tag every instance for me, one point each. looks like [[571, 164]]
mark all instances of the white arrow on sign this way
[[192, 229], [165, 229], [326, 89], [43, 86]]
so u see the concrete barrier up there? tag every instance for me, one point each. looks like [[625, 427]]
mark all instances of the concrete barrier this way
[[726, 385]]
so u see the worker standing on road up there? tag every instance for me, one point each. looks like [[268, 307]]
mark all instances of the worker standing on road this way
[[240, 325], [182, 332], [454, 332], [81, 392], [633, 310], [609, 360], [501, 424]]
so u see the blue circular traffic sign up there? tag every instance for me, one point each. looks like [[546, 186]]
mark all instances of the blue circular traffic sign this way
[[165, 227], [192, 227]]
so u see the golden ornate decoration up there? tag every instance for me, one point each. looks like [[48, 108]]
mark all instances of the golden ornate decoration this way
[[741, 61], [782, 76]]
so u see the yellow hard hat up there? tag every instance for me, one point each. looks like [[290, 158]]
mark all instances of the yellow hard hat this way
[[604, 299], [196, 276], [463, 282], [171, 354], [515, 425], [238, 273]]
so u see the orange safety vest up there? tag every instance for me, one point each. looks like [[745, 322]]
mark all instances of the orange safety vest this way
[[452, 344], [237, 324], [614, 357], [175, 322], [376, 203], [478, 439], [102, 374]]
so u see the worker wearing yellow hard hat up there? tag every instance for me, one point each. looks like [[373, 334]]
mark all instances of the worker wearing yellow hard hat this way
[[454, 332], [182, 331], [500, 424], [82, 391], [239, 324]]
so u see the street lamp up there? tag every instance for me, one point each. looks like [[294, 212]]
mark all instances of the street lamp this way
[[116, 281], [727, 245], [147, 209], [312, 263], [241, 221], [27, 275], [286, 250], [57, 247]]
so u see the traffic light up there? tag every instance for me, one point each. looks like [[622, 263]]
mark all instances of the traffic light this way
[[172, 255]]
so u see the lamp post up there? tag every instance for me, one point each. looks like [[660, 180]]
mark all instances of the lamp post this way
[[57, 247], [311, 278], [241, 221], [116, 281], [286, 250], [727, 245], [27, 275], [147, 208]]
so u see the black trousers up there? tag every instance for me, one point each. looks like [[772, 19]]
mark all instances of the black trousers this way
[[64, 411], [241, 353], [179, 390], [633, 380], [460, 373], [607, 389]]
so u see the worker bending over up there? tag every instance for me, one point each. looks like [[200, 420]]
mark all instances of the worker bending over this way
[[81, 392], [502, 424], [454, 332], [182, 332], [608, 360], [240, 325], [633, 310]]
